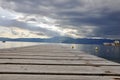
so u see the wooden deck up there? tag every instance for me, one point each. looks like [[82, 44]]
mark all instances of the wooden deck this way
[[54, 62]]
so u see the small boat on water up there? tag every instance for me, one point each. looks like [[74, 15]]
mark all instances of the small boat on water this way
[[115, 43], [107, 44]]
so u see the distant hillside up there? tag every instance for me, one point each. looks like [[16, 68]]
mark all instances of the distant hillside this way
[[5, 39], [87, 41], [60, 40]]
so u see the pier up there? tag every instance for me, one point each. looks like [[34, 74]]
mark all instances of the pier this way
[[54, 62]]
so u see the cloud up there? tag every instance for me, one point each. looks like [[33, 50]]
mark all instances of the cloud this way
[[73, 18], [14, 32], [25, 26]]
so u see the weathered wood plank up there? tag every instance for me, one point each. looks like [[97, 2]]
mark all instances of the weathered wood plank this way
[[52, 57], [55, 77], [46, 54], [49, 58], [56, 69], [59, 62], [41, 48]]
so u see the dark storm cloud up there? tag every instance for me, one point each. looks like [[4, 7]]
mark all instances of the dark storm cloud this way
[[40, 7], [108, 23], [102, 14]]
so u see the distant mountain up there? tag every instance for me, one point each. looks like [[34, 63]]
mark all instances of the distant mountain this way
[[4, 39], [60, 40], [87, 41], [29, 39]]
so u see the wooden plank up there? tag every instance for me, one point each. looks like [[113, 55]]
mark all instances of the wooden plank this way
[[55, 77], [51, 57], [37, 51], [59, 62], [41, 48], [46, 54], [41, 54], [66, 70]]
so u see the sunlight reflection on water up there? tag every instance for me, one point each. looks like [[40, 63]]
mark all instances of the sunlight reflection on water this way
[[16, 44]]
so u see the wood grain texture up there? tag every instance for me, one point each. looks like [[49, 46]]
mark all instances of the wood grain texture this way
[[54, 62]]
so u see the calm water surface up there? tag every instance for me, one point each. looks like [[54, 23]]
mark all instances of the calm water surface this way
[[24, 44], [108, 52], [16, 44]]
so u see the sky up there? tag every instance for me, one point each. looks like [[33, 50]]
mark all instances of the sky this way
[[50, 18]]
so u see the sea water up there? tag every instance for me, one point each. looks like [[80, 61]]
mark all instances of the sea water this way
[[8, 44], [108, 52]]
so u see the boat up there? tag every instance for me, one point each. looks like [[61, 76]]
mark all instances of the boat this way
[[115, 43], [107, 44]]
